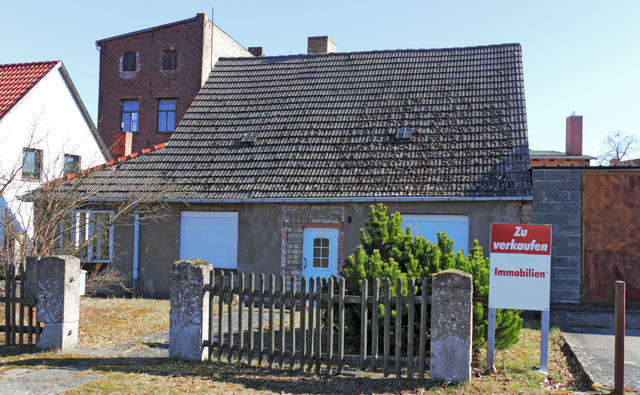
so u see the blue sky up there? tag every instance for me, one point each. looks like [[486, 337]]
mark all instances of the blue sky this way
[[581, 56]]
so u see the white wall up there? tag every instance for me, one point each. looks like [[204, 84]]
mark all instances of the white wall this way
[[47, 118]]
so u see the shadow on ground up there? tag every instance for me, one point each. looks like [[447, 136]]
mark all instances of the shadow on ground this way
[[256, 378]]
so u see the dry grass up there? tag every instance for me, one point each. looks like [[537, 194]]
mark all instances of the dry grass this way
[[515, 373], [106, 322]]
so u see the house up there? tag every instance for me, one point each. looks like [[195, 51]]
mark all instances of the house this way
[[45, 131], [573, 154], [275, 165], [148, 78]]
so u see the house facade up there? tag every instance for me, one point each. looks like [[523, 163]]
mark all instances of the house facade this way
[[45, 132], [275, 165], [148, 78]]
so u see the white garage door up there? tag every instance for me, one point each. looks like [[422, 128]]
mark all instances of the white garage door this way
[[209, 235], [455, 226]]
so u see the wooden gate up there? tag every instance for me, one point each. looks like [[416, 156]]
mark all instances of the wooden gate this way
[[20, 321], [610, 234], [300, 325]]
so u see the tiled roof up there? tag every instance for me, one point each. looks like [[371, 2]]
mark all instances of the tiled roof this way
[[326, 128], [17, 79]]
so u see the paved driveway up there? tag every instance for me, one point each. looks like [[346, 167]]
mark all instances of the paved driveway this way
[[596, 355]]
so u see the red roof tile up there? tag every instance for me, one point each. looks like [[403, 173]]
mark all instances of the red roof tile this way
[[17, 79]]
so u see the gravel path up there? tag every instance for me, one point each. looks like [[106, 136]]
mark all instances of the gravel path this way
[[56, 380], [44, 381]]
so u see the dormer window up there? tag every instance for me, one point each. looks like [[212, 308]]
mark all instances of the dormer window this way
[[404, 133], [129, 61], [249, 138]]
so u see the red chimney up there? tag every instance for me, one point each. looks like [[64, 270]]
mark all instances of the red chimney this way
[[122, 144], [574, 135]]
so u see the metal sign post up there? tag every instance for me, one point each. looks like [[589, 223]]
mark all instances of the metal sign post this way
[[519, 278], [544, 341]]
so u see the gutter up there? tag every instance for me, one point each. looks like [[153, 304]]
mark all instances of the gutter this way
[[136, 243], [337, 199]]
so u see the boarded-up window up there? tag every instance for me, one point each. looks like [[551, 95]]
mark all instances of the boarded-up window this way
[[129, 61], [170, 59]]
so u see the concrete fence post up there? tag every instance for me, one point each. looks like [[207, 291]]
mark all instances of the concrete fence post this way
[[31, 277], [58, 301], [189, 317], [451, 326]]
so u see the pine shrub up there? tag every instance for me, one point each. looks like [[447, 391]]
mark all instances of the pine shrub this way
[[389, 252]]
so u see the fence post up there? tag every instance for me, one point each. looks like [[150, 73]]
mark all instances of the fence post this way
[[451, 326], [189, 316], [58, 302], [31, 277]]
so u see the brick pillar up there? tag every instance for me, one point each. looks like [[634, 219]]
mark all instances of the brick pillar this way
[[58, 301], [189, 317], [451, 326]]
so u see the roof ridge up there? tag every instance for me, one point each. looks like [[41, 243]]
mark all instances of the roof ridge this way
[[475, 47], [112, 162], [38, 62]]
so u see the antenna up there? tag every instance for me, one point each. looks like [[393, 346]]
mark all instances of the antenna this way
[[211, 13]]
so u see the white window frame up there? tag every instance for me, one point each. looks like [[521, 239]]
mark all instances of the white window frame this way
[[75, 218]]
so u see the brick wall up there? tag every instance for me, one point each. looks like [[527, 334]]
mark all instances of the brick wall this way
[[294, 219], [557, 200], [198, 43]]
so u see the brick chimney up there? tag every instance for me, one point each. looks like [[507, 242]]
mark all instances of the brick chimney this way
[[122, 144], [320, 45], [574, 135], [255, 51]]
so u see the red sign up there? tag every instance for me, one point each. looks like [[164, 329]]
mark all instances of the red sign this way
[[521, 239]]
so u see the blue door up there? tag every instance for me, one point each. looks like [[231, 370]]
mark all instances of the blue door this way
[[319, 252]]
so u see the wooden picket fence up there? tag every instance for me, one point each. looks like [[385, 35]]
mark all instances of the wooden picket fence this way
[[309, 341], [21, 326]]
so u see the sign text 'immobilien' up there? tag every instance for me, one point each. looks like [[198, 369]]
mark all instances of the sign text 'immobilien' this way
[[520, 266]]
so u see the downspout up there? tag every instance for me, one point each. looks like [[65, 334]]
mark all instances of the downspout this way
[[136, 243]]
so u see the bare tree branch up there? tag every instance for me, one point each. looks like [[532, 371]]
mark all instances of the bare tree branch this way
[[617, 147]]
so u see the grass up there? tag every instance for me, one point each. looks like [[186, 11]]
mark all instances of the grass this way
[[109, 321], [515, 372]]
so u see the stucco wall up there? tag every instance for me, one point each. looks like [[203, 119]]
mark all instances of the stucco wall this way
[[557, 200], [260, 233], [46, 118]]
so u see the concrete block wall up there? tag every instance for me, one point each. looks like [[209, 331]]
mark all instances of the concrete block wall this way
[[557, 200]]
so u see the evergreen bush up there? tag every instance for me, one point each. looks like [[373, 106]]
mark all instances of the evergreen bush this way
[[389, 252]]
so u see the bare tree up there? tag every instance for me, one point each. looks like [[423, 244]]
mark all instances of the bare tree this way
[[617, 147], [66, 215]]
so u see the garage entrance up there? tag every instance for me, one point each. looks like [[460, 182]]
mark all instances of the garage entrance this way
[[427, 226], [210, 235]]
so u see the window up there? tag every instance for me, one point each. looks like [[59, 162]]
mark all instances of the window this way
[[129, 116], [320, 252], [166, 115], [91, 232], [129, 61], [170, 59], [71, 164], [31, 164]]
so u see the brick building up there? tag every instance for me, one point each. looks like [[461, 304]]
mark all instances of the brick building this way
[[148, 78]]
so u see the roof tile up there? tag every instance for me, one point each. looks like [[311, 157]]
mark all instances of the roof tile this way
[[17, 79]]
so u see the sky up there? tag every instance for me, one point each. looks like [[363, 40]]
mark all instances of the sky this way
[[581, 56]]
